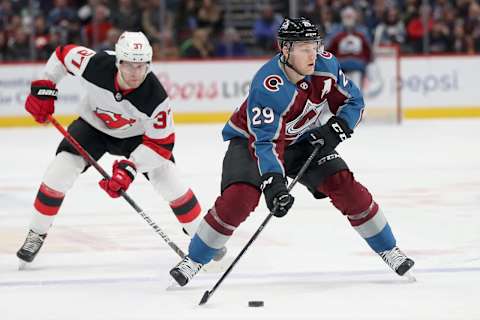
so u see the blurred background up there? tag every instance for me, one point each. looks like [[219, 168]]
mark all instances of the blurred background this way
[[413, 59], [407, 52], [31, 29]]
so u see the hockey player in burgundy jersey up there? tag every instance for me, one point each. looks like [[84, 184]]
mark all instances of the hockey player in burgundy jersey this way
[[298, 99], [125, 112], [351, 45]]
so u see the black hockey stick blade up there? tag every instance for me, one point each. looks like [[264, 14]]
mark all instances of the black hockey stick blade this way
[[205, 297]]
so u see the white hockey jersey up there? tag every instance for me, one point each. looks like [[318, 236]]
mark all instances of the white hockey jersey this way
[[120, 114]]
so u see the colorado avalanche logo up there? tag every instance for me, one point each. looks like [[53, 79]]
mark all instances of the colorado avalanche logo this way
[[314, 114], [113, 120], [273, 83]]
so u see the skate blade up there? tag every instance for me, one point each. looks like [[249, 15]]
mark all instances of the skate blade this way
[[410, 277], [22, 265]]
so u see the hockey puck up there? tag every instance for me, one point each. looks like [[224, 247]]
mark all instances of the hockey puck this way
[[255, 303]]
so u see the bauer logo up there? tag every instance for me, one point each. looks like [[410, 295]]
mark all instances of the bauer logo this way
[[273, 82], [47, 92]]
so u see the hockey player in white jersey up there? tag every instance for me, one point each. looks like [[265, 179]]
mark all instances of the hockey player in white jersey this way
[[125, 112]]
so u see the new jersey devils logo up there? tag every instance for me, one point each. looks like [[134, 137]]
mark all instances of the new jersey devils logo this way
[[273, 82], [113, 120]]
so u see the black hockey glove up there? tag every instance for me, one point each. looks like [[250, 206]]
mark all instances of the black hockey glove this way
[[330, 134], [274, 187]]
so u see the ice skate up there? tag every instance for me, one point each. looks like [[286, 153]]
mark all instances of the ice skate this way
[[30, 248], [398, 261], [185, 271]]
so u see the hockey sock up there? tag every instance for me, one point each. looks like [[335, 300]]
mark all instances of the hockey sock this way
[[47, 203], [59, 177], [200, 252], [187, 210], [374, 228], [230, 210], [356, 202]]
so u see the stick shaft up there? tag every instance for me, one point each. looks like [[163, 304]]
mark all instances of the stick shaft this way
[[124, 195], [264, 223]]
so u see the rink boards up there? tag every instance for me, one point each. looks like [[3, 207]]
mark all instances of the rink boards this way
[[208, 91]]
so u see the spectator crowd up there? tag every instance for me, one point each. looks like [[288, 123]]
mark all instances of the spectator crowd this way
[[31, 29]]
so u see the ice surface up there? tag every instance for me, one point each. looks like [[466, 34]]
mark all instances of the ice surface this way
[[102, 261]]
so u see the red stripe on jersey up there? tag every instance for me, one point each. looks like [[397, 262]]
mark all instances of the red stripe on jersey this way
[[62, 51], [160, 146], [167, 140]]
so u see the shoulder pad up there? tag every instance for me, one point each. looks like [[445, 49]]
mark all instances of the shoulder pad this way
[[327, 63]]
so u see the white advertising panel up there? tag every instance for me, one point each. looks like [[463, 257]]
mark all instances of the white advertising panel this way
[[221, 85], [214, 86], [446, 82]]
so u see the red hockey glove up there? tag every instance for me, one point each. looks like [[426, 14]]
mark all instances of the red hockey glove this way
[[41, 100], [123, 173]]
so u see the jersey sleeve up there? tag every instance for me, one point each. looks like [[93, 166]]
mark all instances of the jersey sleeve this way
[[158, 140], [352, 109], [265, 119], [69, 59]]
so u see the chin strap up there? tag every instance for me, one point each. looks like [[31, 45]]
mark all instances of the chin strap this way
[[288, 64]]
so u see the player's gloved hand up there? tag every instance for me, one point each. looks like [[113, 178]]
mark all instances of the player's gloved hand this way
[[330, 134], [123, 173], [274, 187], [41, 100]]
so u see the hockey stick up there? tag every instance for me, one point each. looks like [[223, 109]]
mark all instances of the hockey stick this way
[[125, 196], [304, 168]]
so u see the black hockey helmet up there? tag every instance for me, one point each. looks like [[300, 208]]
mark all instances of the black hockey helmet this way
[[298, 29]]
